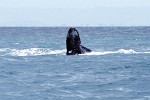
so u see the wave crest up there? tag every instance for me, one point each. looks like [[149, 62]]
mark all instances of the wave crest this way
[[120, 51], [35, 52], [46, 51]]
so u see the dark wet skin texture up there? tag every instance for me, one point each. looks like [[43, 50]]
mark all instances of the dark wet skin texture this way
[[73, 43]]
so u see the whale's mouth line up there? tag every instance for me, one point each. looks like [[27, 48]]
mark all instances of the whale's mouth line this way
[[47, 51]]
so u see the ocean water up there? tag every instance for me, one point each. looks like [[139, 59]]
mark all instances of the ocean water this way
[[34, 64]]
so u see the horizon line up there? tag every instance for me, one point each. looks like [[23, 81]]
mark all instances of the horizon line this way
[[82, 26]]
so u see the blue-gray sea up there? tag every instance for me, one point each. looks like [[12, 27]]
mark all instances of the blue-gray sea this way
[[34, 64]]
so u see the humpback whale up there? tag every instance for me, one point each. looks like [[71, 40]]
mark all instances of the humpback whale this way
[[73, 43]]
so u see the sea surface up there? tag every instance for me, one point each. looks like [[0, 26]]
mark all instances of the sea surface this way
[[34, 64]]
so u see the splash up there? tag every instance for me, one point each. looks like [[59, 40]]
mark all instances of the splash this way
[[120, 51], [47, 51], [35, 52]]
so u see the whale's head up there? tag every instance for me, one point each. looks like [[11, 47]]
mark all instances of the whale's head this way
[[72, 33]]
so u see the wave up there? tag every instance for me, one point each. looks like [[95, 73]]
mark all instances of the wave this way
[[46, 51], [30, 52], [120, 51], [35, 52]]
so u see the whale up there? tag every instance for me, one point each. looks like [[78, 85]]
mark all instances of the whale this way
[[73, 43]]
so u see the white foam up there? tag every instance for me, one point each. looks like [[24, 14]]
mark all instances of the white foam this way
[[120, 51], [35, 52], [47, 51]]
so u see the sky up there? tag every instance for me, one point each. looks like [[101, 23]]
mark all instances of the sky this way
[[74, 12], [75, 3]]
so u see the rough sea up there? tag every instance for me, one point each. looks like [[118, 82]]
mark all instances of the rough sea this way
[[34, 64]]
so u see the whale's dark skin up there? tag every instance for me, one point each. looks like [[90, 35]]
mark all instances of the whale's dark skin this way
[[73, 43]]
